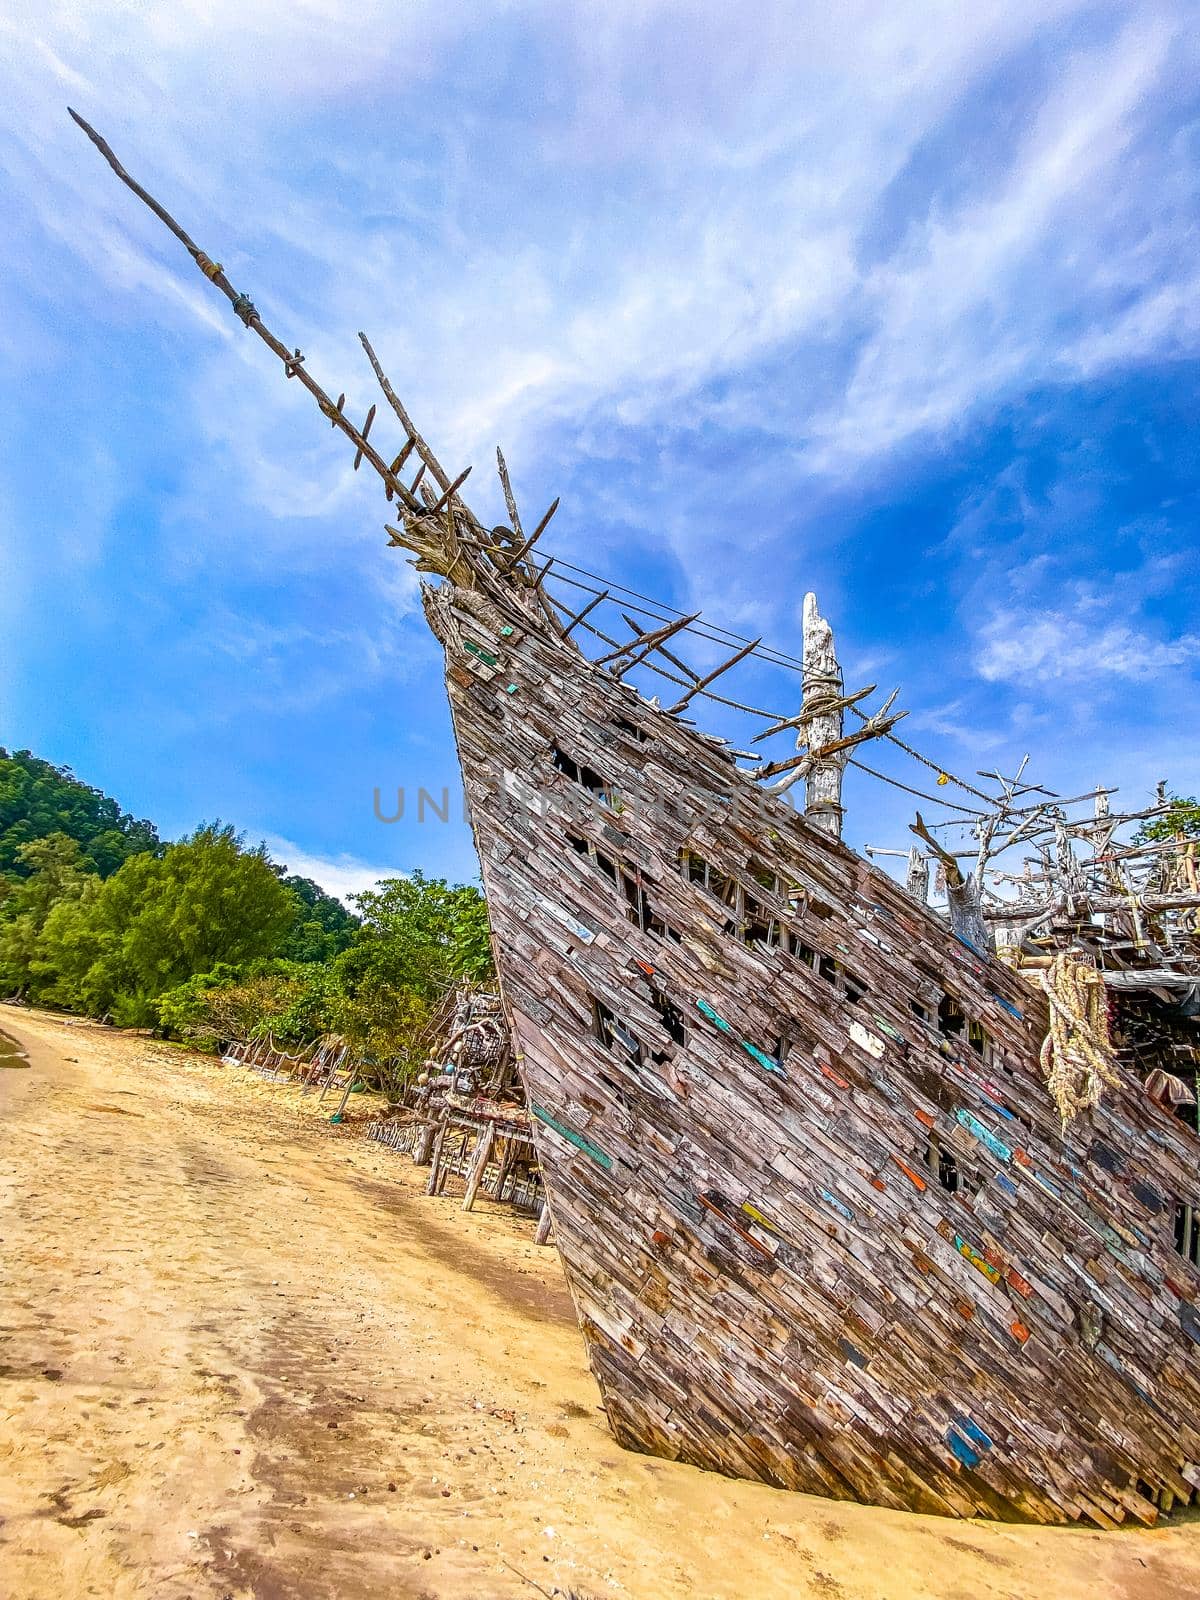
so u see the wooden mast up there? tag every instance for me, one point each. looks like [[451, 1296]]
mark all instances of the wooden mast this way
[[823, 720]]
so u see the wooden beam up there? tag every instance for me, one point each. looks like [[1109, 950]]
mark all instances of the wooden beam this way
[[479, 1161], [846, 742], [364, 431], [703, 683], [839, 703], [917, 878], [449, 491], [527, 545], [435, 1169], [393, 399], [586, 611], [509, 498], [667, 655], [648, 642]]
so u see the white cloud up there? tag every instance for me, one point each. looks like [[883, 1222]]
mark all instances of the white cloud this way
[[1045, 646], [340, 875], [745, 174], [955, 720], [969, 308], [1165, 323]]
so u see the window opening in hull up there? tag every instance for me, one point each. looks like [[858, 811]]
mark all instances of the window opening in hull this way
[[583, 775]]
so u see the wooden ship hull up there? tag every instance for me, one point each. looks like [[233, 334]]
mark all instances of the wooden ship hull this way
[[822, 1221], [818, 1214]]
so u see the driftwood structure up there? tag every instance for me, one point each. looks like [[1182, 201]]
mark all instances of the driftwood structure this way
[[1088, 898], [264, 1058], [824, 1221], [466, 1116]]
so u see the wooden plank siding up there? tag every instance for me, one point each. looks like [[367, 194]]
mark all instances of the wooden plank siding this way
[[819, 1218]]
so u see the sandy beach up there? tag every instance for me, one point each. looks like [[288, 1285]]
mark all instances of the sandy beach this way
[[243, 1355]]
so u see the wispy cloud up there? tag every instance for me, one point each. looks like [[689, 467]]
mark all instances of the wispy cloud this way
[[1032, 650], [339, 875]]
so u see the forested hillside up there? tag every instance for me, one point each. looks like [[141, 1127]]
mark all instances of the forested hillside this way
[[207, 938], [37, 799]]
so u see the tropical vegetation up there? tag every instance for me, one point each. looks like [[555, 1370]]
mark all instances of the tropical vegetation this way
[[206, 938]]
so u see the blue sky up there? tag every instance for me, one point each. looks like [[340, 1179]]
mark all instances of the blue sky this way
[[896, 303]]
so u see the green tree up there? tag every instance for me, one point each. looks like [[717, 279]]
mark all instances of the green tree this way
[[211, 940], [52, 871], [288, 1000], [207, 900], [419, 936], [1181, 817], [80, 963], [324, 928], [160, 919]]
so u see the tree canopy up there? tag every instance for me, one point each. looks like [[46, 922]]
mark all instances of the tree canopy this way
[[112, 945], [1182, 816], [323, 927], [38, 799], [419, 937]]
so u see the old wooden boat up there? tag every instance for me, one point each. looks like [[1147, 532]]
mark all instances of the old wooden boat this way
[[821, 1217]]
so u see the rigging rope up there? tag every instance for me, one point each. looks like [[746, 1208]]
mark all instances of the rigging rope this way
[[714, 633], [919, 794], [1077, 1054]]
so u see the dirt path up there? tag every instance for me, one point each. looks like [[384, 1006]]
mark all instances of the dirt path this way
[[242, 1355]]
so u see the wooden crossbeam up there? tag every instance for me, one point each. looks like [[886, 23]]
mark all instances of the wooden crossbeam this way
[[667, 655], [426, 454], [848, 743], [703, 683], [650, 642], [527, 545], [837, 704], [392, 482], [450, 491], [585, 611], [364, 431], [631, 644]]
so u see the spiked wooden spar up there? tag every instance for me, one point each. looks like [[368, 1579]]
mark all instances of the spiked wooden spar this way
[[243, 306], [431, 528]]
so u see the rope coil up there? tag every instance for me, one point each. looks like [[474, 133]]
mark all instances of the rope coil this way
[[1077, 1054]]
